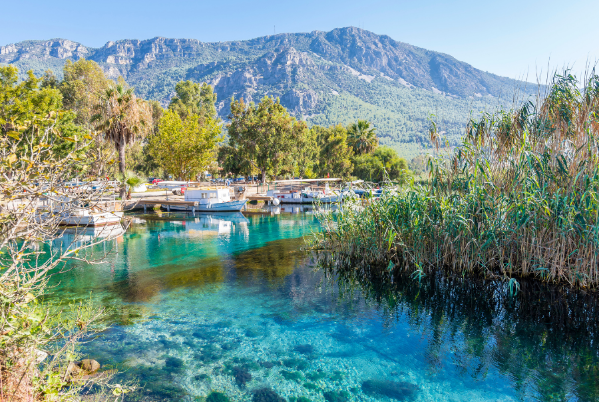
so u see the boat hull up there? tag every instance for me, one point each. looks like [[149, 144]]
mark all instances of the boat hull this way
[[99, 219], [231, 206]]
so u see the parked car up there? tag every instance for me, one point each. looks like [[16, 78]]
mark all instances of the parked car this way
[[154, 181], [179, 191]]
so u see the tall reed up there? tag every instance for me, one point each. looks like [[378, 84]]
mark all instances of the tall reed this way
[[518, 198]]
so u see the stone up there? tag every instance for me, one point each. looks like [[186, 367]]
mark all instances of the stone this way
[[90, 365], [305, 349], [217, 397], [73, 370], [336, 396], [399, 390], [266, 395], [242, 376]]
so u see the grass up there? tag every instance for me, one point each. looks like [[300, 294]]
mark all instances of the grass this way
[[517, 199]]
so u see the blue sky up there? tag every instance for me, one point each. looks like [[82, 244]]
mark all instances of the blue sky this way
[[519, 39]]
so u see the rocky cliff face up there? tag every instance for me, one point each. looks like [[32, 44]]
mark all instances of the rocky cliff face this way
[[42, 50], [363, 51]]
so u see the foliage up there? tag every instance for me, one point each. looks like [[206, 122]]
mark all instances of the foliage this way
[[306, 154], [522, 180], [383, 164], [233, 162], [185, 147], [122, 118], [34, 165], [264, 135], [132, 180], [82, 87], [334, 159], [191, 98], [24, 106], [362, 137]]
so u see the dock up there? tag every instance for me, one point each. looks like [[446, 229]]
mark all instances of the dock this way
[[164, 203], [260, 197]]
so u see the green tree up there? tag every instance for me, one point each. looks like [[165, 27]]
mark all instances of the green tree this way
[[362, 138], [306, 155], [82, 87], [193, 98], [122, 118], [185, 147], [22, 104], [382, 164], [265, 135], [232, 161], [335, 154]]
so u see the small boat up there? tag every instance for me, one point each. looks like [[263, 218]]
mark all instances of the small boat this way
[[88, 217], [210, 199], [70, 212], [306, 196]]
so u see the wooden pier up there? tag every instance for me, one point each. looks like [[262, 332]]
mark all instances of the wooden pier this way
[[164, 203], [259, 197]]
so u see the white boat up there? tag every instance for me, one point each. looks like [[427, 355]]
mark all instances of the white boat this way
[[87, 217], [209, 199], [70, 212], [306, 196]]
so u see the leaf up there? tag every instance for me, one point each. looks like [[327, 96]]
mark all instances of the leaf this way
[[13, 134], [12, 158]]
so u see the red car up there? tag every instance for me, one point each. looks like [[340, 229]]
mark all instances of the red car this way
[[156, 181]]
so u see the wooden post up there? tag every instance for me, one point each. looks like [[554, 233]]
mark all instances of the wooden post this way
[[145, 208], [168, 208]]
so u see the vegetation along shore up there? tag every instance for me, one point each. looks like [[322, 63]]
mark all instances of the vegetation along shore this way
[[518, 199]]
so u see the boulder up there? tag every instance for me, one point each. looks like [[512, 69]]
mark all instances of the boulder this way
[[89, 366]]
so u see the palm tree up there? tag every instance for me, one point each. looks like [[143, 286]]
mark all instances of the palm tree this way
[[132, 180], [122, 118], [362, 137]]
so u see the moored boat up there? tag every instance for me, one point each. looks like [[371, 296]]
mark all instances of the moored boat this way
[[87, 217], [209, 199]]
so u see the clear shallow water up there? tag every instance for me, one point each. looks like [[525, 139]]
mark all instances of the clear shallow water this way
[[228, 303]]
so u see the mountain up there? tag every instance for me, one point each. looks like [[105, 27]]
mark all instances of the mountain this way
[[323, 77]]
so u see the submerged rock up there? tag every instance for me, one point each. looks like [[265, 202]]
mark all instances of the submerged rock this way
[[252, 333], [299, 399], [242, 376], [217, 397], [399, 390], [305, 349], [292, 375], [336, 396], [337, 376], [316, 375], [173, 364], [266, 395], [297, 364], [202, 377]]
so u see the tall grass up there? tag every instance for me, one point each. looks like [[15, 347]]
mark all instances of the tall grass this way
[[517, 199]]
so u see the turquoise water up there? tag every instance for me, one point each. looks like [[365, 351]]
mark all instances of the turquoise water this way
[[229, 303]]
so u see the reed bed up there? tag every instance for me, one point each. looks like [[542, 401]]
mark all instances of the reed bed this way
[[517, 199]]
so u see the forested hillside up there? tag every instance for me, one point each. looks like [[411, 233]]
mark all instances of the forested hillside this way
[[322, 77]]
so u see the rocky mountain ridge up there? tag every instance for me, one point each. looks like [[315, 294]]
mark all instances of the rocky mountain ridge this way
[[343, 74]]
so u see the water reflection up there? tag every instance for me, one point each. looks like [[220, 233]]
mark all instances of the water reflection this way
[[230, 303], [543, 339]]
